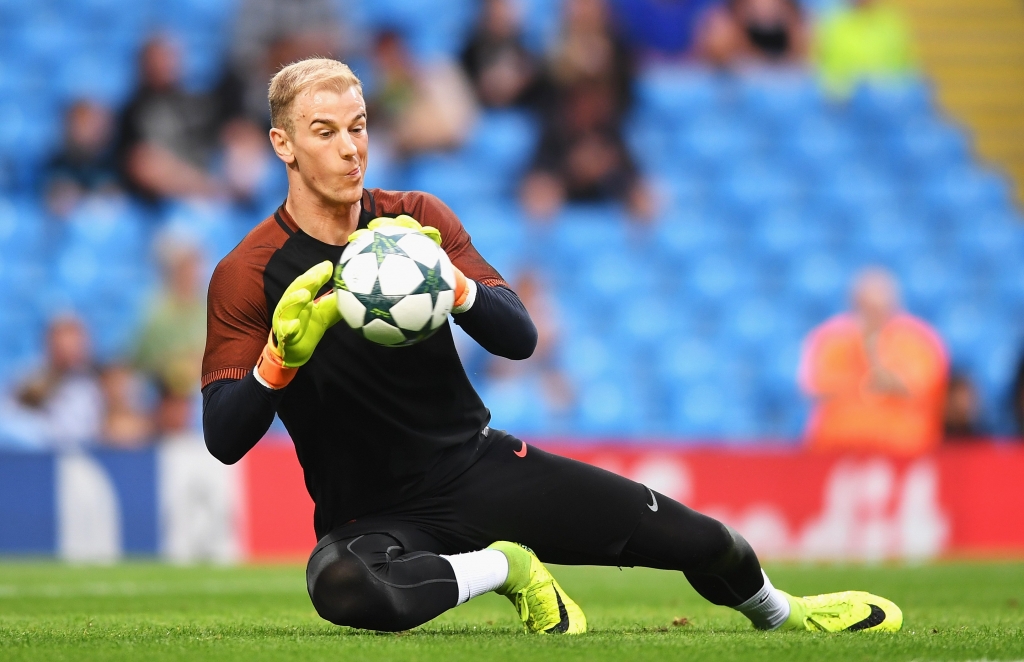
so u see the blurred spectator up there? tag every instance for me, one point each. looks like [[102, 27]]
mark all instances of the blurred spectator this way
[[660, 28], [60, 406], [167, 135], [877, 375], [248, 167], [175, 417], [582, 157], [961, 420], [502, 71], [126, 423], [85, 163], [866, 40], [589, 53], [418, 108], [270, 34], [753, 31], [558, 394], [170, 347]]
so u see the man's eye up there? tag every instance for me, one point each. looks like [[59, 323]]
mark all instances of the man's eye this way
[[358, 129], [325, 134]]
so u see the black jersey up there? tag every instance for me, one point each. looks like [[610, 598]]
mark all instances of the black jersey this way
[[372, 425]]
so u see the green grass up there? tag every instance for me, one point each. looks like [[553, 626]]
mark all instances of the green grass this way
[[155, 612]]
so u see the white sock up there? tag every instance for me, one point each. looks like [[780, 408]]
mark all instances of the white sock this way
[[478, 572], [768, 609]]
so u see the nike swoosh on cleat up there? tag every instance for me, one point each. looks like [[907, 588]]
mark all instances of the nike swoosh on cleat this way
[[653, 505], [876, 617], [522, 451], [563, 623]]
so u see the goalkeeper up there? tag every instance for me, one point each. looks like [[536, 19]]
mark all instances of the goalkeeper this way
[[421, 506]]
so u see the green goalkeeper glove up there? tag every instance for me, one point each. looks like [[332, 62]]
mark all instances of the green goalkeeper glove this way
[[298, 324], [403, 221]]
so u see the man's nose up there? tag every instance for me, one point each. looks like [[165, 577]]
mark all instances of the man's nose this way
[[346, 146]]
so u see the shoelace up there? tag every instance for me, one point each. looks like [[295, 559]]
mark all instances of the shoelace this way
[[522, 601]]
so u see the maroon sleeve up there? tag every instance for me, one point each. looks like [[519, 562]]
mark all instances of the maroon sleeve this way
[[237, 318], [455, 240]]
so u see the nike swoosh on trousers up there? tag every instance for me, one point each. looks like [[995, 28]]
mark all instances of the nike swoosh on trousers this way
[[653, 505]]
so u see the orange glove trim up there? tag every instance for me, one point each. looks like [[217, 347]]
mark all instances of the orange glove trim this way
[[461, 288], [270, 368]]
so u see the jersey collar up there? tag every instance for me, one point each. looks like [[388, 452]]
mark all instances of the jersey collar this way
[[367, 213]]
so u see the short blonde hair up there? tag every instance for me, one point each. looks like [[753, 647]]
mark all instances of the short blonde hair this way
[[297, 77]]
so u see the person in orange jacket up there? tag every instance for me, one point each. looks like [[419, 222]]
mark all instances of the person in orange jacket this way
[[877, 375]]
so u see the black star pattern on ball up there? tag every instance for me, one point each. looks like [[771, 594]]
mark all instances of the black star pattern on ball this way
[[378, 306], [432, 283], [383, 245]]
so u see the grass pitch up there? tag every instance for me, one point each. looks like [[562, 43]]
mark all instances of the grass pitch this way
[[154, 612]]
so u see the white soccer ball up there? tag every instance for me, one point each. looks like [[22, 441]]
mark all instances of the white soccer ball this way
[[395, 286]]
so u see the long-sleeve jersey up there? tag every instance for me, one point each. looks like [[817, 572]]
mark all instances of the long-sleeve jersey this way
[[372, 425]]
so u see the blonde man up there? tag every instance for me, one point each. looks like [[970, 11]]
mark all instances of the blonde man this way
[[416, 497]]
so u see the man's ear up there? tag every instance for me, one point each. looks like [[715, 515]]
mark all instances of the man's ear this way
[[282, 145]]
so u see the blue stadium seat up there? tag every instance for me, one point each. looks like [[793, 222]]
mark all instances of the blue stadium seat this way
[[855, 187], [967, 188], [717, 139], [688, 360], [820, 277], [702, 410], [756, 185], [44, 39], [818, 142], [581, 231], [992, 235], [502, 141], [687, 232], [645, 321], [887, 232], [892, 101], [517, 404], [753, 321], [927, 143], [585, 357], [783, 96], [449, 177], [107, 80], [717, 276], [23, 230], [786, 230], [675, 94], [607, 408]]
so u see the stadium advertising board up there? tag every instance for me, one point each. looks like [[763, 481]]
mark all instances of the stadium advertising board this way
[[179, 503]]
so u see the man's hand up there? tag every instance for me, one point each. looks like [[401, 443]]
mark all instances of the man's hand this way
[[465, 289], [403, 221], [298, 324]]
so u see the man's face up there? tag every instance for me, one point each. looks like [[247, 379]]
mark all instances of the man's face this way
[[327, 145], [69, 346], [875, 299]]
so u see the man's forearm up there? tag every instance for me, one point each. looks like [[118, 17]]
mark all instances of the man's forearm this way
[[499, 321], [236, 415]]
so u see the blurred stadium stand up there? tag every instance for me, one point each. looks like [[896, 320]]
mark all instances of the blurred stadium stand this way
[[690, 328]]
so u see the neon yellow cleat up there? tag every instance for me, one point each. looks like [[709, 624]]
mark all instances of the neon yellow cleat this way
[[540, 601], [849, 611]]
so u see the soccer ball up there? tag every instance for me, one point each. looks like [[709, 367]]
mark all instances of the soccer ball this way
[[395, 286]]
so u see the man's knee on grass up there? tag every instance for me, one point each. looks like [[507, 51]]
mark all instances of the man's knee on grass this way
[[371, 583]]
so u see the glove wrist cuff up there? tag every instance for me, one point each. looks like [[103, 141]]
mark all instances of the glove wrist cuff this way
[[271, 372], [468, 298]]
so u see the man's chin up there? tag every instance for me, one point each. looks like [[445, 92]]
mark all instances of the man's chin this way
[[346, 195]]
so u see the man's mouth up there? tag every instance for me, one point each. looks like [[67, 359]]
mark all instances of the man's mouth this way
[[354, 172]]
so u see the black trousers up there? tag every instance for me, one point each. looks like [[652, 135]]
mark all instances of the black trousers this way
[[383, 572]]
